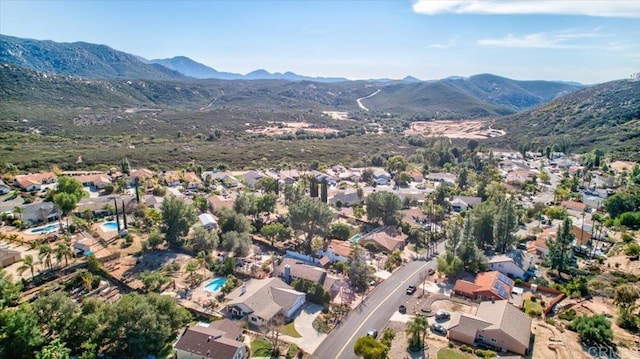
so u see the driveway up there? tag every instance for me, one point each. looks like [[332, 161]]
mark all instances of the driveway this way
[[310, 338]]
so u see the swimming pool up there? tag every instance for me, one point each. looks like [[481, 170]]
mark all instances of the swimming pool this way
[[109, 226], [216, 285], [356, 238], [53, 227]]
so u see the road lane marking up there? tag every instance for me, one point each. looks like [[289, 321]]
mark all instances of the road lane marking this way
[[378, 307]]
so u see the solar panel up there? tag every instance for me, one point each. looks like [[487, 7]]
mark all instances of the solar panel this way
[[506, 280], [498, 287]]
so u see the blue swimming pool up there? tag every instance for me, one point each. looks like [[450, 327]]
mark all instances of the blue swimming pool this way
[[356, 238], [53, 227], [216, 285], [109, 226]]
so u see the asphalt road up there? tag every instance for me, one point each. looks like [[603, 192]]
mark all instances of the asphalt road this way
[[374, 312]]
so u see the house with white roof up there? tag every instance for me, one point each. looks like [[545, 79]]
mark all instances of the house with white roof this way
[[208, 221], [515, 264]]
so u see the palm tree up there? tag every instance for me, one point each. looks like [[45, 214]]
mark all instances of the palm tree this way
[[27, 263], [417, 329], [63, 250], [45, 255], [202, 261]]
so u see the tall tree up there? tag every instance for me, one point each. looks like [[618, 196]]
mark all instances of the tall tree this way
[[201, 239], [417, 328], [358, 270], [383, 206], [20, 336], [67, 194], [293, 193], [45, 254], [311, 218], [483, 221], [63, 250], [559, 247], [177, 218], [506, 223], [275, 230], [54, 350], [9, 291], [28, 262]]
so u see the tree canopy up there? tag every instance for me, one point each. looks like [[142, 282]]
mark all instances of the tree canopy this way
[[383, 206], [177, 218], [311, 218]]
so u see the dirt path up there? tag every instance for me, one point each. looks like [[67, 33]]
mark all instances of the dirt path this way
[[359, 101]]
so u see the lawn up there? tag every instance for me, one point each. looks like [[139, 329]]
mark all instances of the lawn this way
[[261, 348], [532, 308], [451, 354], [290, 330]]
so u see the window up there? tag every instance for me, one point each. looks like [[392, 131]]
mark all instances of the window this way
[[480, 336], [493, 340]]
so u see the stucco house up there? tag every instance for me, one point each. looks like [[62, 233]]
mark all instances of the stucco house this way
[[99, 181], [346, 199], [462, 203], [515, 264], [39, 212], [259, 300], [496, 323], [387, 239], [8, 257], [336, 251], [291, 269], [221, 339], [33, 182]]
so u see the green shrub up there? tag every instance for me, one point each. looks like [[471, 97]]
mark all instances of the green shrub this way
[[568, 314], [485, 353], [467, 349]]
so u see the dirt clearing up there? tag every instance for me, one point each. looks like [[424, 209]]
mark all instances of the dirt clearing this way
[[477, 129]]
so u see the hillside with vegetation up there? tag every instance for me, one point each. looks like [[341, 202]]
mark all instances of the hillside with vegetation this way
[[79, 59], [605, 116]]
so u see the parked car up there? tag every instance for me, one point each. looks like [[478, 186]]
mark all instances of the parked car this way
[[431, 271], [411, 289], [373, 333], [402, 309], [442, 315], [439, 328]]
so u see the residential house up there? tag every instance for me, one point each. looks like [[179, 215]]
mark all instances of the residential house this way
[[208, 221], [387, 239], [496, 323], [8, 257], [487, 285], [462, 203], [141, 176], [39, 212], [323, 177], [539, 246], [443, 177], [416, 176], [172, 178], [192, 181], [515, 264], [85, 245], [33, 182], [152, 201], [258, 300], [381, 177], [346, 199], [250, 178], [98, 181], [575, 208], [216, 202], [519, 177], [291, 269], [221, 339], [98, 209], [4, 188], [336, 251], [292, 174]]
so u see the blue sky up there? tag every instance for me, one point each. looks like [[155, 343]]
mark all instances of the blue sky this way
[[585, 41]]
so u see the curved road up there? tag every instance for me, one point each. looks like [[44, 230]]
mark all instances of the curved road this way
[[374, 312], [359, 101]]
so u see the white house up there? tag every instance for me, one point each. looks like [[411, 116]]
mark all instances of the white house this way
[[516, 264], [208, 221], [381, 177]]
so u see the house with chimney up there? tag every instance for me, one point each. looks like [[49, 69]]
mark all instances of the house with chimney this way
[[336, 251], [291, 269], [497, 324], [257, 301], [221, 339]]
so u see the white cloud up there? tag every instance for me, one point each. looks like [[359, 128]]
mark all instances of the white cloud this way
[[448, 44], [601, 8], [556, 40]]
